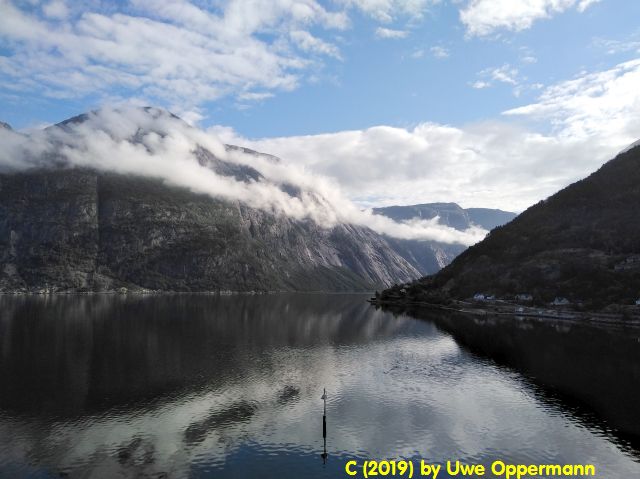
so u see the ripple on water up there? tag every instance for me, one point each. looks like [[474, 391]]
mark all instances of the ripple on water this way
[[232, 388]]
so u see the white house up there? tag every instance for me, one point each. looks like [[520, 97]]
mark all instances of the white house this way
[[560, 301], [524, 297]]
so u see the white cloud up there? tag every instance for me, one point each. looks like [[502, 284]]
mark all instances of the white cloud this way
[[504, 74], [584, 4], [389, 10], [165, 52], [56, 9], [439, 52], [390, 33], [492, 163], [307, 42], [255, 96], [479, 85], [136, 141], [603, 105], [184, 52], [613, 47], [483, 17]]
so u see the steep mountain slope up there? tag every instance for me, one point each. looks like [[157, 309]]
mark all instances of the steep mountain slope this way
[[582, 243], [66, 227], [429, 257]]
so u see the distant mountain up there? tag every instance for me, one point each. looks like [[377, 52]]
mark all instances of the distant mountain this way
[[489, 218], [450, 214], [428, 257], [74, 228], [582, 244]]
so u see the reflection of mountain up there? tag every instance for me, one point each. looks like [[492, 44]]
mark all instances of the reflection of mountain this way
[[201, 386], [167, 342], [428, 257], [594, 367]]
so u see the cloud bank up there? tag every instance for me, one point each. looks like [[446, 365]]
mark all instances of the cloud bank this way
[[153, 143], [484, 17], [192, 52], [509, 163]]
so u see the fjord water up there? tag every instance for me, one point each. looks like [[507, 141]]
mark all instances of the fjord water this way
[[230, 387]]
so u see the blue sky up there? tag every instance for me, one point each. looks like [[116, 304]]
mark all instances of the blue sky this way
[[381, 82], [483, 102]]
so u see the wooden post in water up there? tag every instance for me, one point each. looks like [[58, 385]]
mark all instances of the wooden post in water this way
[[324, 455]]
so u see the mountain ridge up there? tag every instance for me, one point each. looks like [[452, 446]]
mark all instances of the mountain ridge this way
[[67, 226], [84, 231], [428, 257], [581, 244]]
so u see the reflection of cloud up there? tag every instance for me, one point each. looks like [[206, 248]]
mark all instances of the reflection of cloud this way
[[245, 375], [404, 396]]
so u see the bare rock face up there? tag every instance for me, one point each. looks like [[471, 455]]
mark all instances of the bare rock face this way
[[66, 228], [48, 230], [72, 229]]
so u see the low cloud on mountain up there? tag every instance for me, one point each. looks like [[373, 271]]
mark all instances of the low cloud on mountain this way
[[524, 156], [150, 142]]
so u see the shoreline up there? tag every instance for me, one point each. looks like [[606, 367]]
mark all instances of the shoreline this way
[[139, 292], [518, 311]]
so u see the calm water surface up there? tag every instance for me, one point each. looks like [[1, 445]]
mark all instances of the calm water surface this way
[[230, 387]]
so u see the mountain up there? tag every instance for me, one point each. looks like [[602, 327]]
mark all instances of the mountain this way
[[69, 226], [429, 257], [582, 244], [450, 214], [489, 218]]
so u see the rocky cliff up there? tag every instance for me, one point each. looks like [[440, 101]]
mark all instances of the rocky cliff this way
[[65, 226], [74, 229]]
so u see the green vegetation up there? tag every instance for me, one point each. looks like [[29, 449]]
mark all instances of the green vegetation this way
[[583, 243]]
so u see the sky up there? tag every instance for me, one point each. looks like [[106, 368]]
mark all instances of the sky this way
[[488, 103]]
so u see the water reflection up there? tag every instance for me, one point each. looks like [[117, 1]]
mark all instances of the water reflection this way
[[199, 386], [593, 369]]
